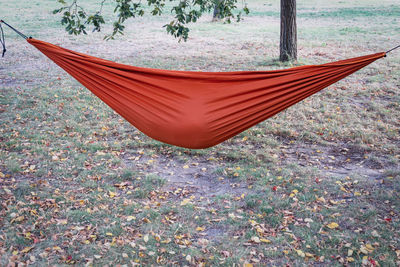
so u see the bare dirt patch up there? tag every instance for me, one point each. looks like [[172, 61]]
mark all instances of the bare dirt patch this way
[[338, 160], [197, 176]]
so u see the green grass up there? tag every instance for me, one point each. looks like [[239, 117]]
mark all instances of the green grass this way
[[79, 185]]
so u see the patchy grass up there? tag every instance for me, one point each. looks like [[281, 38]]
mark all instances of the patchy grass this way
[[317, 184]]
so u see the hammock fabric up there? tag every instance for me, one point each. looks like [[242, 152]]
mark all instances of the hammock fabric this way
[[197, 109]]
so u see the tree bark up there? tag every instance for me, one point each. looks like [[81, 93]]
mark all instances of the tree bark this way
[[288, 39], [217, 11]]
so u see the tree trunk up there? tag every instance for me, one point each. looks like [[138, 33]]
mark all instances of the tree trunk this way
[[217, 11], [288, 43]]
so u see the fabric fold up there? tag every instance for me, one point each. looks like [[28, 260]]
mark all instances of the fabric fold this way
[[197, 109]]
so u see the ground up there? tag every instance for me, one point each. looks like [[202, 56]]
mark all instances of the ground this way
[[317, 184]]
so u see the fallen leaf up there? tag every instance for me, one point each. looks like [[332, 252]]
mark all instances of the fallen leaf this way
[[130, 218], [369, 247], [374, 233], [349, 252], [27, 249], [300, 253], [363, 250], [332, 225], [186, 201]]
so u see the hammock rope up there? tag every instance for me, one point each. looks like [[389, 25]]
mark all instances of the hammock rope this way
[[394, 48], [2, 41], [197, 109], [17, 31]]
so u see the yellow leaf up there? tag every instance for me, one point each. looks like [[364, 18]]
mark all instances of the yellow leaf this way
[[109, 234], [27, 249], [186, 201], [56, 248], [264, 240], [332, 225], [369, 247], [350, 259], [86, 242], [300, 253], [15, 252], [2, 175], [200, 229], [186, 167], [111, 194], [130, 218], [309, 255], [363, 250], [357, 193], [146, 238], [344, 189], [255, 239], [19, 218], [247, 265]]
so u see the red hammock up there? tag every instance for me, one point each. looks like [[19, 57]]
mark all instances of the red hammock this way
[[197, 109]]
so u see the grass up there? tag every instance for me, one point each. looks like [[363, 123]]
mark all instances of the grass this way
[[79, 185]]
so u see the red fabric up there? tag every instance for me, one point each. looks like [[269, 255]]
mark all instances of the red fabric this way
[[197, 109]]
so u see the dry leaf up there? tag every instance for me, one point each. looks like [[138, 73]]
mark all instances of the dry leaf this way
[[111, 194], [363, 250], [300, 253], [349, 252], [186, 201], [332, 225], [130, 218], [27, 249], [189, 258]]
